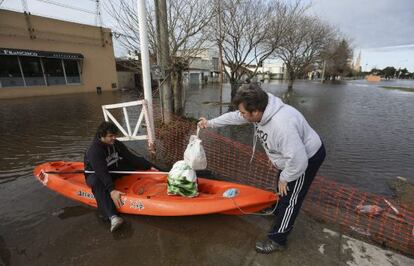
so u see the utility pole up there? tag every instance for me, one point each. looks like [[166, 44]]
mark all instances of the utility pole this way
[[98, 21], [163, 58], [98, 17], [221, 58]]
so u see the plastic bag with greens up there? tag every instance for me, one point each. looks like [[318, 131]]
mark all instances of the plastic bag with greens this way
[[182, 180]]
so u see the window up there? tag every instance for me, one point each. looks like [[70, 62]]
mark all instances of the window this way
[[10, 74], [25, 68], [54, 71], [32, 71], [72, 71]]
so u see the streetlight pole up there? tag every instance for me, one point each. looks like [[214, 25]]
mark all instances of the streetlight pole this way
[[145, 62]]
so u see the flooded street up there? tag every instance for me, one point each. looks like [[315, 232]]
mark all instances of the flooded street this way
[[368, 132]]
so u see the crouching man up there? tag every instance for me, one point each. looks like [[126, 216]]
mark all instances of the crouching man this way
[[106, 154]]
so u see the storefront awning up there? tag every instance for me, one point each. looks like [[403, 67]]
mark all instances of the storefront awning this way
[[34, 53]]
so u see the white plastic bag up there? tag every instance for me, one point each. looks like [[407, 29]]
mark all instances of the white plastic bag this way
[[194, 155], [182, 180]]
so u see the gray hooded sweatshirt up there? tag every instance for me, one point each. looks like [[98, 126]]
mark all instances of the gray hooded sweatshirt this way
[[286, 136]]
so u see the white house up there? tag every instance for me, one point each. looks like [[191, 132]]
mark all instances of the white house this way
[[270, 69], [203, 67]]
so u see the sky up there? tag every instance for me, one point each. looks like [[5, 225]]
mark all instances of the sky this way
[[382, 30]]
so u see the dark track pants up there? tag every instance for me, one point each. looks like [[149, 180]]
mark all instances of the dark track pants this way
[[289, 205], [102, 196]]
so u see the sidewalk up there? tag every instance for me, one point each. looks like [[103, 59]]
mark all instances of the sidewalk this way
[[71, 234], [311, 243]]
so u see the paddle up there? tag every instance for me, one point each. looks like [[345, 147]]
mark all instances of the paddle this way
[[111, 172], [203, 173]]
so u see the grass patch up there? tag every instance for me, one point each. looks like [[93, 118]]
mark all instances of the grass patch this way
[[409, 89]]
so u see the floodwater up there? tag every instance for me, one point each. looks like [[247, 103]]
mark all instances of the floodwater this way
[[368, 132]]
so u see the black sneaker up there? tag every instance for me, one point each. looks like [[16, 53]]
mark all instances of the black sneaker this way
[[268, 246]]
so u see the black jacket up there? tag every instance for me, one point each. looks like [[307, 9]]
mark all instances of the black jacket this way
[[102, 158]]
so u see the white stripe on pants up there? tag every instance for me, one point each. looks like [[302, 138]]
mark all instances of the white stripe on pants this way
[[292, 203]]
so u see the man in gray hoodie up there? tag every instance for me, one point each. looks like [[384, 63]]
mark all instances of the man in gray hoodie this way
[[291, 145]]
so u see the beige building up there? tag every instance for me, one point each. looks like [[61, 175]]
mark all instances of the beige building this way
[[43, 56]]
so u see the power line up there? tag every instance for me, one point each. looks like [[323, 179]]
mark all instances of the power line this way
[[67, 6]]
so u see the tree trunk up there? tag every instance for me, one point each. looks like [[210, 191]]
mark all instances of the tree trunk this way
[[166, 104], [178, 90], [234, 87], [163, 58], [290, 85], [234, 84], [291, 76], [287, 96]]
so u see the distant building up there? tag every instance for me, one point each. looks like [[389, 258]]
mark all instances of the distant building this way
[[270, 69], [203, 67], [128, 71], [43, 56]]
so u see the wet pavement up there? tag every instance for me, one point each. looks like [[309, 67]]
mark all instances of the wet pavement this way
[[368, 132], [74, 235]]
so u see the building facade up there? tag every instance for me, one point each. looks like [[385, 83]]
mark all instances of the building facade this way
[[203, 67], [270, 69], [42, 56]]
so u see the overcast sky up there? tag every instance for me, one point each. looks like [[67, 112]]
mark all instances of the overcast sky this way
[[383, 30]]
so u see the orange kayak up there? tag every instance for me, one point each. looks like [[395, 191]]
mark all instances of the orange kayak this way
[[146, 193]]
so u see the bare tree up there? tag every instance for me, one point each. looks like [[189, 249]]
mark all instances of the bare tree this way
[[336, 57], [248, 32], [302, 45], [187, 21]]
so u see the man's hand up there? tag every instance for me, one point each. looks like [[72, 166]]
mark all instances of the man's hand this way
[[202, 122], [283, 188], [116, 197], [152, 150]]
